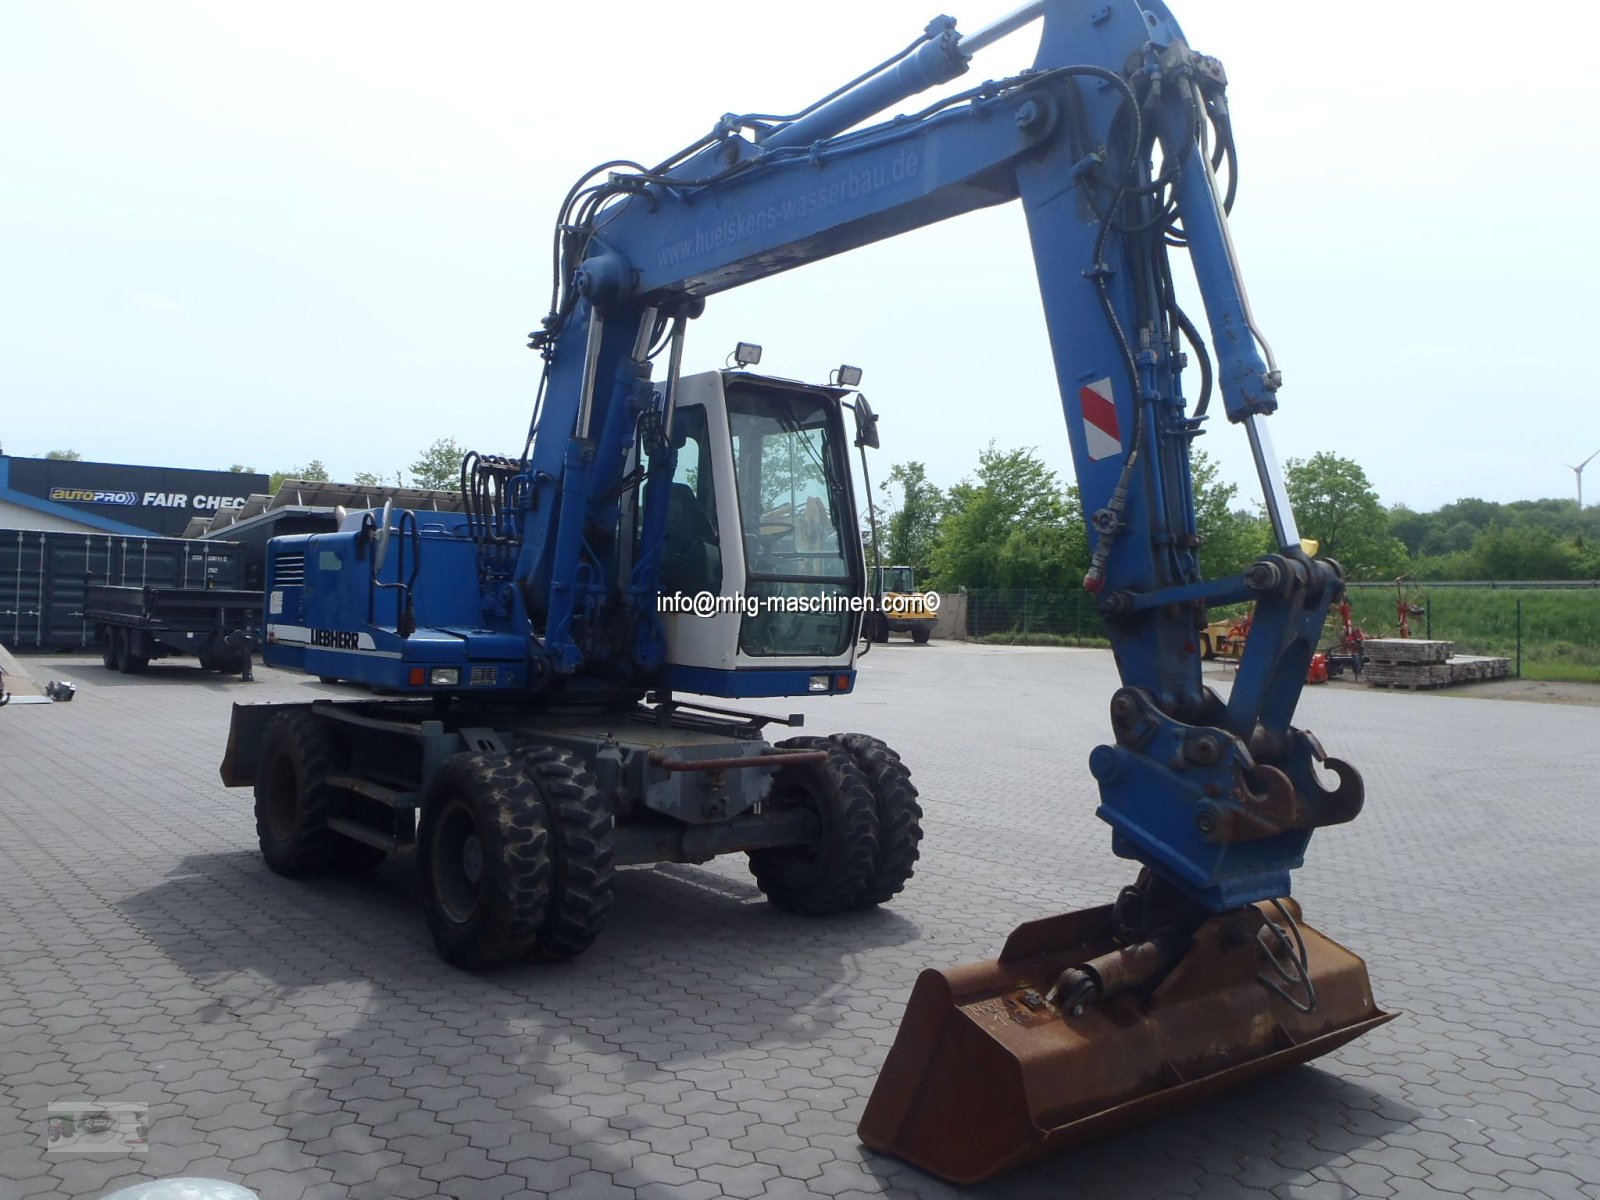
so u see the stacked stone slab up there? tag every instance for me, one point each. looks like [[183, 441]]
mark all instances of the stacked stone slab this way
[[1426, 663], [1469, 668]]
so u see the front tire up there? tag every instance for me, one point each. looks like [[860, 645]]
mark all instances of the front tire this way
[[298, 753], [899, 816], [108, 647], [829, 875], [921, 636], [484, 851]]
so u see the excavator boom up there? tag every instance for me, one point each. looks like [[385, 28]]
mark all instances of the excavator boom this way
[[1118, 146], [1201, 974]]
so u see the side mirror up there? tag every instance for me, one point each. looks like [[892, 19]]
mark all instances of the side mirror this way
[[866, 424], [380, 543]]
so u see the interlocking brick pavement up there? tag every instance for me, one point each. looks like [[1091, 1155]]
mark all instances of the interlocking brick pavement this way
[[302, 1039]]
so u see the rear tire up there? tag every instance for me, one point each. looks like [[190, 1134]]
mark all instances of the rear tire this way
[[298, 753], [899, 816], [581, 853], [484, 852], [828, 875], [921, 636], [108, 647]]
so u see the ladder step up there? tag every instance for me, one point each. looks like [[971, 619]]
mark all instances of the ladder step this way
[[393, 797], [366, 834]]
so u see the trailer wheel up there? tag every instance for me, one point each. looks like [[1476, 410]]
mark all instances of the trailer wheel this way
[[108, 647], [128, 662], [484, 851], [921, 636], [581, 853], [828, 875], [899, 816], [136, 662], [298, 753]]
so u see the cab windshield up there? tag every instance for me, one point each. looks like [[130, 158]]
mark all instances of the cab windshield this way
[[896, 579], [796, 520]]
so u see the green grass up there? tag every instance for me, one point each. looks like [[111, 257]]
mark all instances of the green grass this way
[[1039, 639], [1560, 627], [1558, 672]]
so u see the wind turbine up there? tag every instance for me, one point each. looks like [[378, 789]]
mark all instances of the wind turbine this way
[[1578, 471]]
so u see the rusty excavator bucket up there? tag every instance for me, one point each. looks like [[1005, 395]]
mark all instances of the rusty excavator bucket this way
[[1074, 1033]]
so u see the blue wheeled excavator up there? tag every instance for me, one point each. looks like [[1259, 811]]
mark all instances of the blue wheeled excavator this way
[[554, 656]]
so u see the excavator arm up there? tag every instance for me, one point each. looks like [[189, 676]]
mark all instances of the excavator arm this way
[[1201, 973], [1104, 143]]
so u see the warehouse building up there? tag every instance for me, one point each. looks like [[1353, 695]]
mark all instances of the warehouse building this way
[[91, 497]]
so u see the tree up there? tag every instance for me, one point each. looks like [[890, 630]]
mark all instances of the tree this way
[[1233, 538], [313, 472], [241, 469], [1010, 528], [1410, 527], [910, 528], [439, 465], [65, 456], [1336, 504], [368, 479], [1530, 553]]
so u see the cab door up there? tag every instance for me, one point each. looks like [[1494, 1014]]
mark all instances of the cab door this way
[[776, 608]]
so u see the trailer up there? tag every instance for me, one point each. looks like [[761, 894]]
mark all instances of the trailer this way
[[136, 624], [45, 576]]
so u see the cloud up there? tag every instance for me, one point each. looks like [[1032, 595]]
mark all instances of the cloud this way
[[159, 310], [1429, 352]]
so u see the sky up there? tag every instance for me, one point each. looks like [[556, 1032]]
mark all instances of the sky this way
[[266, 234]]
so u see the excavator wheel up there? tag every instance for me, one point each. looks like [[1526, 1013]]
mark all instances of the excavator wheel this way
[[483, 848], [581, 853], [899, 816], [298, 753], [831, 874], [921, 636]]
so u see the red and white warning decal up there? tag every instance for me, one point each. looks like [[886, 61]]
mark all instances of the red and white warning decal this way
[[1100, 430]]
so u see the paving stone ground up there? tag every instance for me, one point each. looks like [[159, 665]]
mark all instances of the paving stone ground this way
[[301, 1038]]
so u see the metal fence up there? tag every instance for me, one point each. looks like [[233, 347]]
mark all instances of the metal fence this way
[[1550, 630], [1002, 611]]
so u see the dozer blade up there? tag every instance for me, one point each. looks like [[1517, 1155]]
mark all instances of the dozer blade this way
[[986, 1074]]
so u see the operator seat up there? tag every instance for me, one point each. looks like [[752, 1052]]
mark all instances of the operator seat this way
[[691, 560]]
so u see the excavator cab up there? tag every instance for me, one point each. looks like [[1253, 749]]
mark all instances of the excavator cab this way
[[762, 573]]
